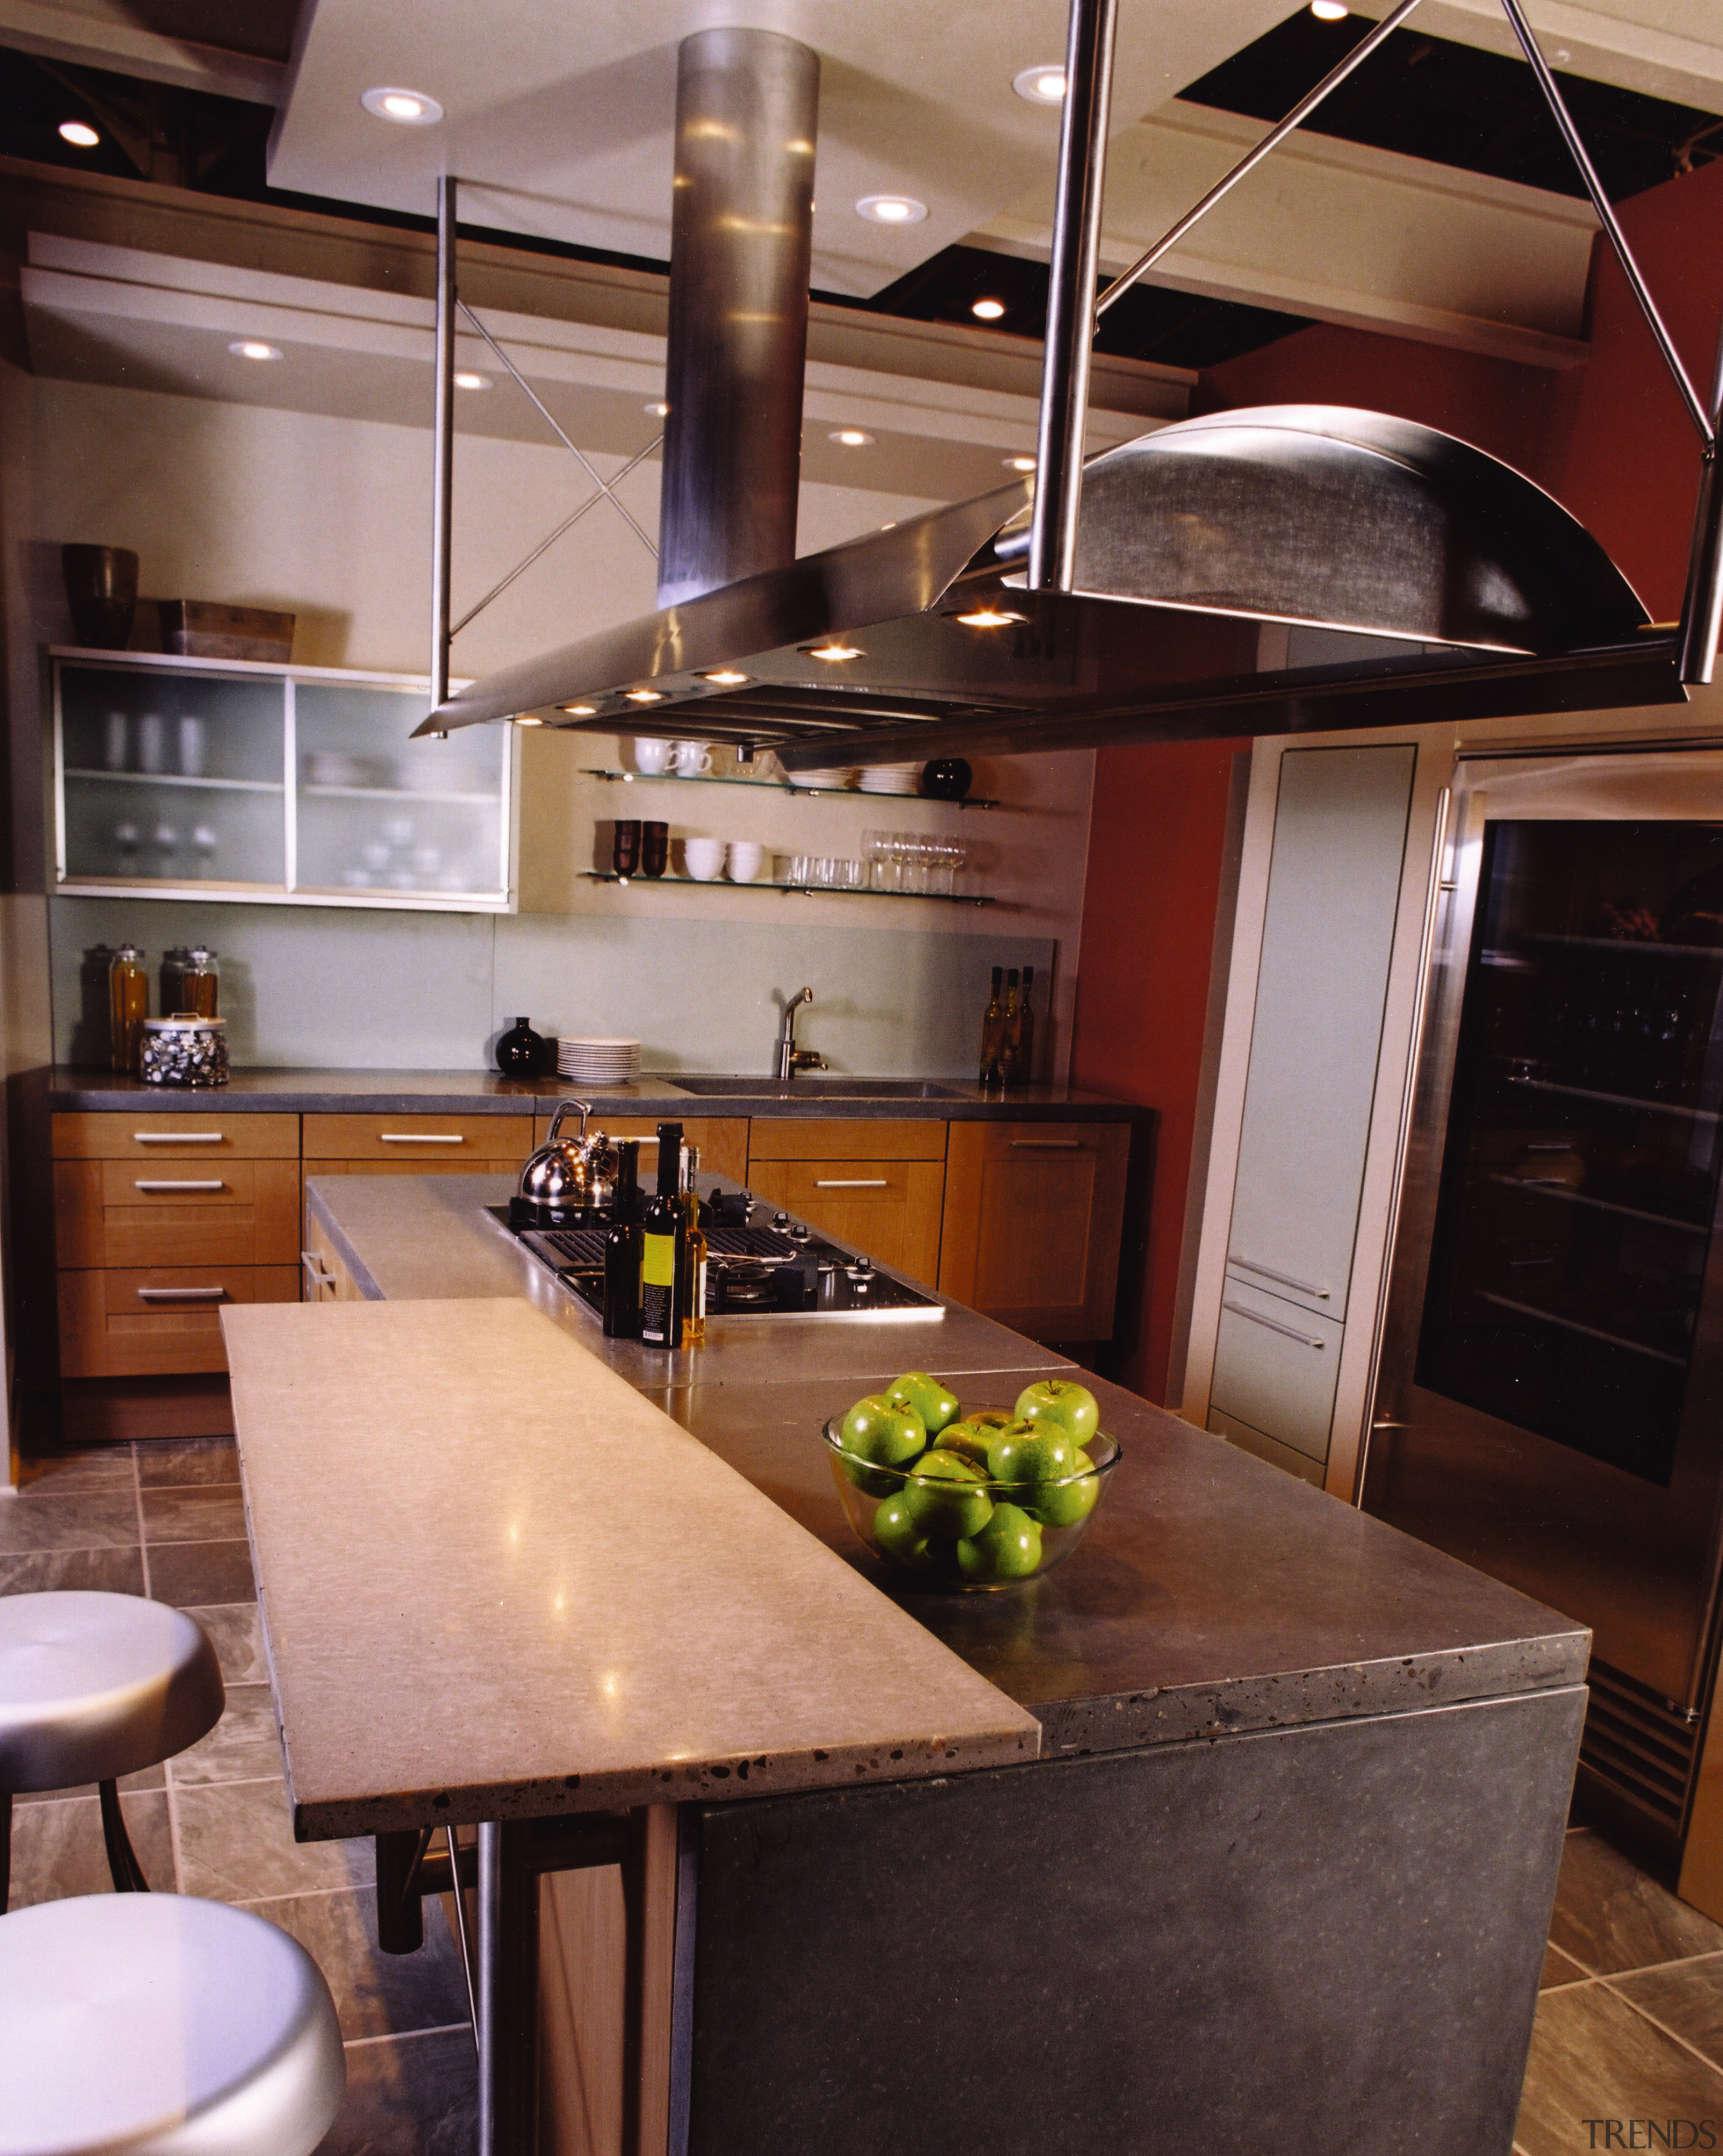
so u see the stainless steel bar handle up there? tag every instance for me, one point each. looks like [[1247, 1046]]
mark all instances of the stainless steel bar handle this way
[[1286, 1280], [852, 1183], [314, 1271], [1048, 1145], [419, 1137], [182, 1295], [177, 1137], [1273, 1324], [205, 1183], [489, 1972]]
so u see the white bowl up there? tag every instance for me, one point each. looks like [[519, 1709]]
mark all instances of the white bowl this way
[[746, 859], [705, 858]]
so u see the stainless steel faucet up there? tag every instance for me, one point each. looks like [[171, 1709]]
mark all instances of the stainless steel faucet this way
[[790, 1058]]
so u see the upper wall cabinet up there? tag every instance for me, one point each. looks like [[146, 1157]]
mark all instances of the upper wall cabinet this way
[[286, 786]]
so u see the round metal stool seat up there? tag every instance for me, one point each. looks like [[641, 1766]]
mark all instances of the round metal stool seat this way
[[93, 1686], [153, 2025]]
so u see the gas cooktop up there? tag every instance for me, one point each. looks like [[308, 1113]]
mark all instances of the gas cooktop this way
[[781, 1269]]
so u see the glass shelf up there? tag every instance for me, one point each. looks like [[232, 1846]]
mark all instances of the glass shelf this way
[[173, 778], [398, 793], [777, 786], [801, 890]]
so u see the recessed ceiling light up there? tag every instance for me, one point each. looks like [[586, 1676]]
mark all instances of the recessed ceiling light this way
[[1018, 464], [891, 209], [853, 438], [581, 711], [988, 310], [989, 617], [253, 348], [78, 132], [728, 678], [1041, 85], [468, 381], [1330, 11], [644, 695], [834, 650], [525, 719], [658, 409], [407, 108]]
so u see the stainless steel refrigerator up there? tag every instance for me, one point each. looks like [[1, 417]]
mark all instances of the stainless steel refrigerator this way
[[1549, 1400]]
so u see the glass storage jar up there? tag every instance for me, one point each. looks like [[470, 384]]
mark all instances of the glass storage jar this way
[[128, 1004], [185, 1049], [199, 983]]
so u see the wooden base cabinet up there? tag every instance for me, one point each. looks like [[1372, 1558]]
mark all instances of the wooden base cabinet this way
[[1034, 1213], [879, 1186], [157, 1320]]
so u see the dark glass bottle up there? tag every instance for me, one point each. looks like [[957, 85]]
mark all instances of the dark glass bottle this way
[[1005, 1058], [1025, 1030], [989, 1033], [520, 1052], [663, 1237], [622, 1249]]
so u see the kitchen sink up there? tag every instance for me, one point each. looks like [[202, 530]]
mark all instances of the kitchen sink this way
[[831, 1088]]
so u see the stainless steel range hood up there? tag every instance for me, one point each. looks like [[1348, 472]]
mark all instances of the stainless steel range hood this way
[[1284, 569]]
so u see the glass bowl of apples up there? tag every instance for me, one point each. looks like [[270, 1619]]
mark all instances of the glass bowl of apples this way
[[970, 1501]]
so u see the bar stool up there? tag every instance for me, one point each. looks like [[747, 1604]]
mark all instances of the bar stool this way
[[93, 1686], [159, 2026]]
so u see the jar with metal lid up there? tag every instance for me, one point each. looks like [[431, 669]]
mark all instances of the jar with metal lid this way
[[128, 1004], [199, 983], [185, 1049]]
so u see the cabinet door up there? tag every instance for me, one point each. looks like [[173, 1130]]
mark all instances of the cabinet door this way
[[180, 1212], [157, 1320], [326, 1278], [1034, 1213], [889, 1209]]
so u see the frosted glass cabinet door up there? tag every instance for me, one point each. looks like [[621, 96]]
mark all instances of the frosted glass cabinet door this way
[[1334, 888], [378, 811]]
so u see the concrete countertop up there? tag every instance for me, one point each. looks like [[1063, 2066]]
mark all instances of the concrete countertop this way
[[1212, 1592], [486, 1093]]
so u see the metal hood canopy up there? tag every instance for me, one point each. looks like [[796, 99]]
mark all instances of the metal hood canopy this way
[[1191, 542], [1288, 568]]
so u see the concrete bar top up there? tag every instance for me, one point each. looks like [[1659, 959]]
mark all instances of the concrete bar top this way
[[486, 1092], [539, 1594]]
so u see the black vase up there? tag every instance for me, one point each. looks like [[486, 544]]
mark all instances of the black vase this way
[[949, 779], [101, 587], [520, 1052]]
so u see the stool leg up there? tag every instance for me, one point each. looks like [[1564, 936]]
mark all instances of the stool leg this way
[[122, 1859], [5, 1849]]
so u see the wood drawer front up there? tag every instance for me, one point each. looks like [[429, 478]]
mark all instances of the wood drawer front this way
[[722, 1140], [1034, 1213], [844, 1137], [103, 1218], [418, 1139], [157, 1320], [890, 1209], [202, 1133]]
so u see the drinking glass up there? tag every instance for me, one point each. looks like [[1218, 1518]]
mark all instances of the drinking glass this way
[[625, 846]]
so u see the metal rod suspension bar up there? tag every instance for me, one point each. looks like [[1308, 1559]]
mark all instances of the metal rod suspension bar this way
[[586, 465], [1071, 296], [443, 443], [466, 1949], [550, 540], [1607, 217], [1300, 113], [1702, 609], [491, 2050]]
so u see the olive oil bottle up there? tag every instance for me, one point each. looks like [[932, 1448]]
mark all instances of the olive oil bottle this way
[[663, 1236], [989, 1033], [1005, 1057], [1025, 1055], [693, 1280]]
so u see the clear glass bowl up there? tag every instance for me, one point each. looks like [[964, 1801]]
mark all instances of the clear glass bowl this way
[[1016, 1531]]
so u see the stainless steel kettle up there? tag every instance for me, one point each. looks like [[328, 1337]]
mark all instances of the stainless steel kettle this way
[[572, 1172]]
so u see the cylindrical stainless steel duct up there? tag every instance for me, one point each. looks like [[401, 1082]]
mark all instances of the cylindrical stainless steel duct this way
[[741, 242]]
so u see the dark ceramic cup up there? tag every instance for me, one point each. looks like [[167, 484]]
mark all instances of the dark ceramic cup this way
[[655, 849], [101, 587]]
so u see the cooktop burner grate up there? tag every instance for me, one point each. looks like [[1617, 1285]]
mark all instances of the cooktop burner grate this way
[[585, 1246]]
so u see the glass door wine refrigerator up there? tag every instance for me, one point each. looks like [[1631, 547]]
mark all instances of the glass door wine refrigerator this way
[[1550, 1400]]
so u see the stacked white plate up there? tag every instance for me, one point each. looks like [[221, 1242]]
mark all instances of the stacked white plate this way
[[594, 1060], [840, 780], [892, 778]]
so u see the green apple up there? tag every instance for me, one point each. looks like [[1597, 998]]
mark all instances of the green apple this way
[[874, 1429], [945, 1496], [1067, 1504], [1008, 1548], [1030, 1452], [1064, 1404], [899, 1537], [915, 1393], [990, 1418], [968, 1440]]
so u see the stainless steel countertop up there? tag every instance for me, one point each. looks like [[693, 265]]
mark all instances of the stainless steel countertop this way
[[1212, 1592]]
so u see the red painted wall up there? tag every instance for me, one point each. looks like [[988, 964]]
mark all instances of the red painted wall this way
[[1607, 439]]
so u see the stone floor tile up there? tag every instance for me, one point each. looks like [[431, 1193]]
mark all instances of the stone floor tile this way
[[58, 1850], [1593, 2057], [114, 1571], [408, 2096], [172, 1462], [236, 1845], [99, 1467], [238, 1634], [1687, 1997], [1610, 1916], [376, 1994], [104, 1519], [244, 1746], [198, 1513], [1559, 1968], [150, 1778], [191, 1574]]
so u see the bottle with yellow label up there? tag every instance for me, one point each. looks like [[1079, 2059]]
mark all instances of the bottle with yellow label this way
[[663, 1242]]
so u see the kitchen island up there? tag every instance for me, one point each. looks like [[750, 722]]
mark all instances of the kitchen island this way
[[1280, 1875]]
